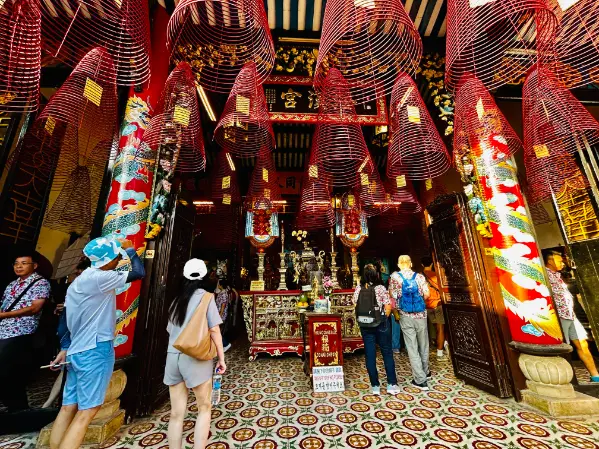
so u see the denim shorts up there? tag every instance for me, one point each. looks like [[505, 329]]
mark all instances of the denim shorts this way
[[88, 376]]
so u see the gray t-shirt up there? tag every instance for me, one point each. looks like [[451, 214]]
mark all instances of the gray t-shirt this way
[[212, 315]]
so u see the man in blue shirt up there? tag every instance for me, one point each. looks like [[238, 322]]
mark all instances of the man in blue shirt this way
[[91, 320]]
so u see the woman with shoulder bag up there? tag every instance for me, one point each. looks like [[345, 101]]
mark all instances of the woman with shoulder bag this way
[[194, 340]]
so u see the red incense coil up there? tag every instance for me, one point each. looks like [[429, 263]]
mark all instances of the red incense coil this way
[[264, 186], [218, 37], [496, 40], [84, 110], [71, 28], [477, 119], [401, 197], [547, 176], [338, 144], [553, 116], [370, 41], [371, 194], [176, 127], [316, 210], [225, 188], [245, 125], [20, 55], [576, 43], [415, 148]]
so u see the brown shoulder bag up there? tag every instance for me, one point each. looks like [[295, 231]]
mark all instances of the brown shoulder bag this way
[[194, 340]]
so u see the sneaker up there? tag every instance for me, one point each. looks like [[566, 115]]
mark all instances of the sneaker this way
[[393, 389], [376, 391], [396, 351], [440, 354], [422, 386], [226, 348], [595, 379], [429, 375]]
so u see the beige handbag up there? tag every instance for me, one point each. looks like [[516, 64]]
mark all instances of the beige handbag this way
[[194, 340]]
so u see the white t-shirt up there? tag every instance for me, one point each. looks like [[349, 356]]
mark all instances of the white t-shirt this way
[[91, 308]]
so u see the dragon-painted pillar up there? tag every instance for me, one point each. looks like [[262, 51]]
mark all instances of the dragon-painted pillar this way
[[131, 186], [530, 312]]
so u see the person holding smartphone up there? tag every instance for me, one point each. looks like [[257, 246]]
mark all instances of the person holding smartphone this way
[[91, 321]]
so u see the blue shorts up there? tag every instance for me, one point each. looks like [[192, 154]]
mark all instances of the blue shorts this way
[[88, 376]]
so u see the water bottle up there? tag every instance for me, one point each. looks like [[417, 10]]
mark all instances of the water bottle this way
[[216, 384]]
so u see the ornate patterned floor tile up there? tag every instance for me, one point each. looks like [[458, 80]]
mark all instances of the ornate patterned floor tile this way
[[269, 404]]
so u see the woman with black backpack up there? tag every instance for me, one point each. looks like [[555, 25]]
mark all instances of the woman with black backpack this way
[[373, 307]]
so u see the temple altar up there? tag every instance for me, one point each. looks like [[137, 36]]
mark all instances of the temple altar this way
[[273, 322]]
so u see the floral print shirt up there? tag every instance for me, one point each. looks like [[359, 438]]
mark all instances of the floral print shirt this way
[[564, 301], [395, 283], [380, 292], [22, 325]]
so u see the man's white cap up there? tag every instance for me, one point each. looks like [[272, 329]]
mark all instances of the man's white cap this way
[[195, 269]]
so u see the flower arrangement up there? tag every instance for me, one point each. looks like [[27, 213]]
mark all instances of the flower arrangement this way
[[327, 285], [300, 235]]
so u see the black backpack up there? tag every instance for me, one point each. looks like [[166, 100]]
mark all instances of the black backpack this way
[[368, 311]]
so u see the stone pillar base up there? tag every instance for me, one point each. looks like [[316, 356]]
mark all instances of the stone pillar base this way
[[98, 432], [107, 422], [579, 405]]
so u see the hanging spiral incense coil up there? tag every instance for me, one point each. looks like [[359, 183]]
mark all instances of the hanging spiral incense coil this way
[[263, 184], [338, 145], [477, 119], [576, 42], [245, 125], [218, 37], [84, 112], [71, 28], [316, 210], [371, 194], [415, 148], [20, 55], [369, 41], [556, 126], [496, 40], [225, 187], [176, 127]]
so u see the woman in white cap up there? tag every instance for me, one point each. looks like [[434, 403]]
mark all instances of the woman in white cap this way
[[183, 372]]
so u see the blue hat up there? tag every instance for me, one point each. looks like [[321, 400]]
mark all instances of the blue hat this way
[[102, 251]]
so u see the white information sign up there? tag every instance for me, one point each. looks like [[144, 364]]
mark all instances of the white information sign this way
[[328, 379]]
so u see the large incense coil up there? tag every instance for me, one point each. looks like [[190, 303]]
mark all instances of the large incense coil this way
[[338, 145], [370, 41], [225, 188], [71, 28], [20, 55], [547, 176], [218, 37], [264, 186], [176, 127], [84, 111], [552, 115], [316, 210], [496, 40], [245, 125], [415, 147], [371, 194], [576, 43], [401, 197], [477, 118]]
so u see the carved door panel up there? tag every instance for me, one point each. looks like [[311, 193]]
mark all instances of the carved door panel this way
[[470, 316], [172, 251]]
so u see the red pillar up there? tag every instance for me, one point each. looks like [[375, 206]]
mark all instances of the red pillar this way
[[131, 186]]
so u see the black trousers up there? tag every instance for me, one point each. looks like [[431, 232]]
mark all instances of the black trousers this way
[[16, 357]]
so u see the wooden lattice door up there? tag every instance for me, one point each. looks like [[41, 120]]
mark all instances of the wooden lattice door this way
[[471, 317]]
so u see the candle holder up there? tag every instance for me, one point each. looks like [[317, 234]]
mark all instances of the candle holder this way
[[334, 270], [261, 255], [283, 272], [355, 269]]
